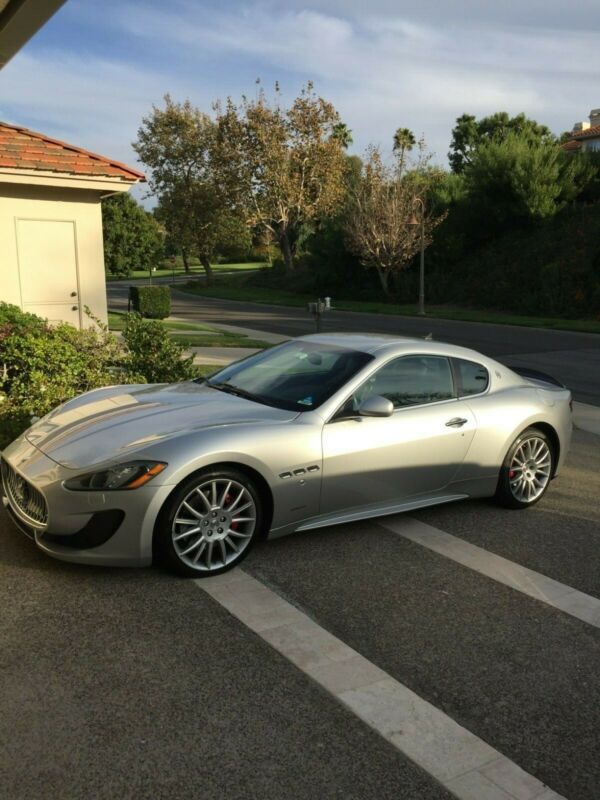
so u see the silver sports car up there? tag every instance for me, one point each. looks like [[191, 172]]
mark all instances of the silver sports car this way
[[320, 430]]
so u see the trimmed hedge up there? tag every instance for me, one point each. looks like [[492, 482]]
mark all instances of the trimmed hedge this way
[[152, 302]]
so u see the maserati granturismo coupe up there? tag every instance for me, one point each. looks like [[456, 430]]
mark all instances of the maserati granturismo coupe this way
[[317, 431]]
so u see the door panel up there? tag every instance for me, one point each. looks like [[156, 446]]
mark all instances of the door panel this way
[[48, 269], [371, 460]]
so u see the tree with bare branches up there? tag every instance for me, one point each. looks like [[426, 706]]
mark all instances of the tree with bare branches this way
[[382, 209]]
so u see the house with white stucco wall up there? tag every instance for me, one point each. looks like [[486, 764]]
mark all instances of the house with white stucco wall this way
[[51, 224]]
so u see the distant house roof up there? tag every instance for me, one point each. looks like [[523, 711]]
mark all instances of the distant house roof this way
[[21, 148], [588, 133], [571, 145]]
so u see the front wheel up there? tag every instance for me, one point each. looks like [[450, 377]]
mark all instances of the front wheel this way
[[527, 470], [210, 523]]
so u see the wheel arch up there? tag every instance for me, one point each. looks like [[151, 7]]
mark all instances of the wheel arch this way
[[552, 435], [543, 427], [266, 495]]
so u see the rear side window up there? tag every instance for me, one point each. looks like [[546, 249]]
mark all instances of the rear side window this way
[[472, 378]]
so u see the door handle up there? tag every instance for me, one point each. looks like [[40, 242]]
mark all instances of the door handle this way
[[456, 422], [73, 294]]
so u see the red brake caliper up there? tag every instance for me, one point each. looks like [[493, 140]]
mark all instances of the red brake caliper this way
[[227, 500]]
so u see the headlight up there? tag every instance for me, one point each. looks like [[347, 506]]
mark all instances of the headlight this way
[[131, 475]]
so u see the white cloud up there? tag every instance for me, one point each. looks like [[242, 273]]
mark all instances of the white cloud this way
[[389, 67], [388, 70]]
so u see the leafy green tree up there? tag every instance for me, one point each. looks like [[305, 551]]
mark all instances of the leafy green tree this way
[[517, 178], [404, 141], [470, 133], [179, 232], [565, 136], [178, 144], [284, 167], [132, 237], [448, 190]]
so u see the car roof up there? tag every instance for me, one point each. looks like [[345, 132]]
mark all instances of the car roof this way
[[382, 344]]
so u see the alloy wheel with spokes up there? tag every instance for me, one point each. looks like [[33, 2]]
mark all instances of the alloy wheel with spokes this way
[[211, 524], [527, 470]]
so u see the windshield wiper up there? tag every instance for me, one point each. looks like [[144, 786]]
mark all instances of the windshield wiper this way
[[231, 389]]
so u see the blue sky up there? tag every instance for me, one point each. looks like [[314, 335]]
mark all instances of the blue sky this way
[[97, 67]]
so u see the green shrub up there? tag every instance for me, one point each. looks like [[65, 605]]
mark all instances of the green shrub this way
[[14, 321], [42, 366], [153, 352], [152, 302]]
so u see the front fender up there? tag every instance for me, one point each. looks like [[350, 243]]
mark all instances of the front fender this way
[[288, 456]]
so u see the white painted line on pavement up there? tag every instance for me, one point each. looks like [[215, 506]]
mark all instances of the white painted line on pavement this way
[[467, 766], [555, 594]]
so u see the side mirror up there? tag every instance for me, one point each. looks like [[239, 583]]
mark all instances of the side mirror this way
[[376, 406]]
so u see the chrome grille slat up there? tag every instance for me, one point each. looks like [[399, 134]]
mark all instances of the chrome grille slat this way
[[26, 501]]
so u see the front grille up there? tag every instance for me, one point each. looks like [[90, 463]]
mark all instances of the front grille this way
[[24, 498]]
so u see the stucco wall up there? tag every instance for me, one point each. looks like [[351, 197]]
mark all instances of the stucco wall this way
[[20, 207]]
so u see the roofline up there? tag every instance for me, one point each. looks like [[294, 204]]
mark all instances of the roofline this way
[[19, 21], [138, 176], [61, 180], [589, 133]]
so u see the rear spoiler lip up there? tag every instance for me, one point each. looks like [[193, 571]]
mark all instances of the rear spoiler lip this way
[[536, 375]]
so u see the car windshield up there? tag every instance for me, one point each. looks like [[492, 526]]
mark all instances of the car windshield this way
[[296, 376]]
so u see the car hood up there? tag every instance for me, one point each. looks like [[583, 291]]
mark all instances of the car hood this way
[[109, 423]]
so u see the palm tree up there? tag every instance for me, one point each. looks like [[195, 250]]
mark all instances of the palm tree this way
[[404, 141], [343, 134]]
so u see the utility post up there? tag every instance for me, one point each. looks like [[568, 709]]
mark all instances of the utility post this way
[[414, 220]]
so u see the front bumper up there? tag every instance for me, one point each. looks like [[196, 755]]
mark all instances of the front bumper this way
[[104, 528]]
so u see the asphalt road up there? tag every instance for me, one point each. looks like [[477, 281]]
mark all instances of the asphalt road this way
[[573, 358], [133, 683]]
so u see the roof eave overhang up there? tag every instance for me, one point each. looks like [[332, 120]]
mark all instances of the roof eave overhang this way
[[19, 21], [65, 180]]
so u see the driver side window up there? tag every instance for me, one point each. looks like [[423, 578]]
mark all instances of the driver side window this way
[[407, 381]]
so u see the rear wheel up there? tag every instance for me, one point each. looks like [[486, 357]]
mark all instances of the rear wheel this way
[[210, 523], [527, 470]]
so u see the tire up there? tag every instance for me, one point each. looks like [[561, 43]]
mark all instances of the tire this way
[[209, 524], [527, 470]]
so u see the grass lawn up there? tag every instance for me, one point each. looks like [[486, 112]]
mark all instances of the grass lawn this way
[[206, 369], [233, 289], [222, 340], [178, 270], [116, 322], [196, 334]]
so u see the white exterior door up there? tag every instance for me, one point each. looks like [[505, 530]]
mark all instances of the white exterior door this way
[[48, 275]]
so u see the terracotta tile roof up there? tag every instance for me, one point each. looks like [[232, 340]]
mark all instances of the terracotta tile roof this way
[[571, 145], [25, 149], [589, 133]]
